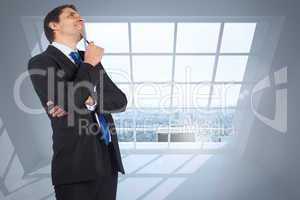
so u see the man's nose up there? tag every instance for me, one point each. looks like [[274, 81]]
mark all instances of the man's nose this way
[[80, 18]]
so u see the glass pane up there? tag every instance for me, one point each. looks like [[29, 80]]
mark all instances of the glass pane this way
[[146, 136], [206, 125], [152, 37], [125, 135], [231, 68], [151, 118], [152, 68], [148, 121], [117, 67], [203, 118], [124, 119], [197, 37], [191, 95], [225, 95], [124, 123], [113, 37], [152, 95], [237, 37], [194, 68]]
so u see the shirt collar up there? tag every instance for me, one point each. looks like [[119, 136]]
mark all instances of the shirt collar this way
[[64, 49]]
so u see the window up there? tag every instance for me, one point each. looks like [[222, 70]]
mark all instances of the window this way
[[237, 37], [231, 68], [152, 68], [182, 79], [152, 37], [194, 68], [197, 37]]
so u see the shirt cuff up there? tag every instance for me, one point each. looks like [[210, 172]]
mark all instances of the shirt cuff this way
[[91, 107]]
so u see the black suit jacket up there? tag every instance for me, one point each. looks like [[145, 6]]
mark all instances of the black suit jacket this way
[[77, 157]]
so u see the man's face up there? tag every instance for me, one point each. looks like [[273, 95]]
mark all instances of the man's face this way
[[70, 24]]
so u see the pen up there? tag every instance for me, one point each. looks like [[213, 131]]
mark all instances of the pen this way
[[85, 39]]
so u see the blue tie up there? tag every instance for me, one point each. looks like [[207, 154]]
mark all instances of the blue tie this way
[[76, 57], [99, 117], [104, 127]]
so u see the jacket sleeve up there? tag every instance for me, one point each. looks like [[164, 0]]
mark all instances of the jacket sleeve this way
[[110, 99]]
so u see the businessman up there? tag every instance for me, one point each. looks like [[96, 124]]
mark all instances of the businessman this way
[[79, 98]]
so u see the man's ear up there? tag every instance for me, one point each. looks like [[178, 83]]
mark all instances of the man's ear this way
[[53, 26]]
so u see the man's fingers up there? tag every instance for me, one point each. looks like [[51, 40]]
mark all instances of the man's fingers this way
[[56, 111], [90, 101], [53, 110], [91, 44], [61, 113]]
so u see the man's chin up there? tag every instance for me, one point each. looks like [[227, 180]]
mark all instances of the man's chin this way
[[79, 36]]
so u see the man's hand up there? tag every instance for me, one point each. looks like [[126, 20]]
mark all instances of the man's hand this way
[[89, 101], [55, 111], [93, 54]]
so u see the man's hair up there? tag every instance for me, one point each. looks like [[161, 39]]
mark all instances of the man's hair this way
[[53, 16]]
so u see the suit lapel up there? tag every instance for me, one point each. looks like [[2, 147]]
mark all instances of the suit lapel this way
[[62, 61]]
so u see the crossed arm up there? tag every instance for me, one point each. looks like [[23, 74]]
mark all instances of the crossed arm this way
[[111, 99], [57, 111]]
